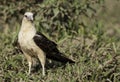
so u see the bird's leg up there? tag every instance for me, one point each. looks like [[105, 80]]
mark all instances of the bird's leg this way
[[29, 64], [29, 59], [43, 69], [42, 59]]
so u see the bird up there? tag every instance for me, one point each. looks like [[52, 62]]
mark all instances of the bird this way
[[36, 45]]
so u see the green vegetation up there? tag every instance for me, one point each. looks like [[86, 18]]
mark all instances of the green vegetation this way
[[87, 31]]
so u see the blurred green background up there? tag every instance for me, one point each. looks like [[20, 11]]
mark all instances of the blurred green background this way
[[87, 31]]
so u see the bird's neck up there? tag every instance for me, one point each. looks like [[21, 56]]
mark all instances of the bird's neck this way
[[28, 27], [27, 31]]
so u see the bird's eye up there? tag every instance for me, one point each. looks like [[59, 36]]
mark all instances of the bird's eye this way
[[25, 15]]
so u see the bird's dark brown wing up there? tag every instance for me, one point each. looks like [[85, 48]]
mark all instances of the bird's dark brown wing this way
[[50, 48], [45, 44]]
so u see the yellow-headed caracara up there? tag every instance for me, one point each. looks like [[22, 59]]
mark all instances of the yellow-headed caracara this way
[[35, 45]]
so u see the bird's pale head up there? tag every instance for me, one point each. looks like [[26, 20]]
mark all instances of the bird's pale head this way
[[28, 16]]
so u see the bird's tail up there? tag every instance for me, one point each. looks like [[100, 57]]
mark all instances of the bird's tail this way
[[61, 58]]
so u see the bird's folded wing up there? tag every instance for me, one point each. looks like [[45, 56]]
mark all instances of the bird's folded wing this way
[[44, 43], [50, 48]]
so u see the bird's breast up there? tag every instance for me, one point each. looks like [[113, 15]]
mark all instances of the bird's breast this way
[[25, 39]]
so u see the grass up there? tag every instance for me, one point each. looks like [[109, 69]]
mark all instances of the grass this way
[[96, 55], [95, 47]]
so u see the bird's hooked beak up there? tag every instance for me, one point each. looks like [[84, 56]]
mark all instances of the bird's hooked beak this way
[[30, 18]]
